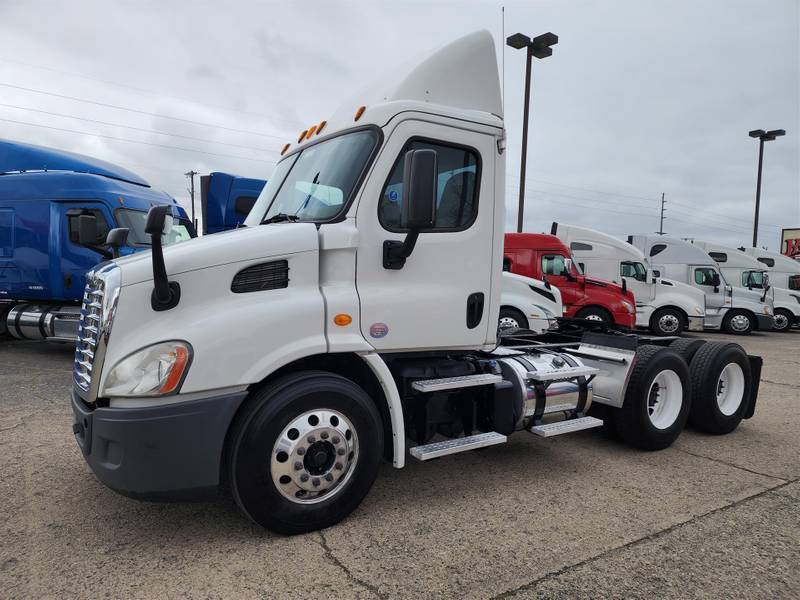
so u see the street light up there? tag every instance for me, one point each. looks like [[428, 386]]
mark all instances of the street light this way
[[538, 47], [763, 136]]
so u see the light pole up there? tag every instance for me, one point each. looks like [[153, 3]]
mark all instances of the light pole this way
[[540, 48], [763, 136]]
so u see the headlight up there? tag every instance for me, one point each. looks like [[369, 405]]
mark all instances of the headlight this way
[[153, 371], [767, 309], [628, 306]]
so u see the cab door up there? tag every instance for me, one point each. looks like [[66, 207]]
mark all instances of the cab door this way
[[703, 279], [553, 266], [68, 266], [440, 297]]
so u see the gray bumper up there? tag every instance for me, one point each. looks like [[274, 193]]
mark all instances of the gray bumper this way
[[765, 322], [167, 452]]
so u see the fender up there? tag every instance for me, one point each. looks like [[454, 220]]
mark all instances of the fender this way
[[384, 376]]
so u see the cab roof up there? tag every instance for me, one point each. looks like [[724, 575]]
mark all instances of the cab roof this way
[[17, 157], [534, 241]]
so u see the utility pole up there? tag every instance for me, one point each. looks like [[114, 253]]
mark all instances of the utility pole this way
[[661, 220], [763, 136], [190, 175]]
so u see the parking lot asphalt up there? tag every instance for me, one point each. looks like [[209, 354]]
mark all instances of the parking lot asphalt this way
[[577, 516]]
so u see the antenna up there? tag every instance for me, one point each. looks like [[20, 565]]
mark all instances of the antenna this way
[[503, 68]]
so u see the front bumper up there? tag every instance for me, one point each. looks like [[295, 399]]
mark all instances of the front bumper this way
[[696, 323], [765, 322], [168, 452]]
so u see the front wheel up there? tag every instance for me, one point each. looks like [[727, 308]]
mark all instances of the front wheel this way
[[595, 314], [738, 322], [657, 399], [783, 320], [511, 318], [305, 452], [667, 321]]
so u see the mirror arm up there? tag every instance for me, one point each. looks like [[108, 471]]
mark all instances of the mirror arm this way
[[166, 294], [395, 253]]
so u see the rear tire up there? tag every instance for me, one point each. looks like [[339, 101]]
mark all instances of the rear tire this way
[[687, 347], [512, 318], [657, 399], [667, 321], [738, 322], [304, 452], [594, 313], [721, 383], [783, 320]]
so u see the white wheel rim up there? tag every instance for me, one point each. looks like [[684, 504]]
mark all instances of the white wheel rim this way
[[508, 322], [730, 389], [594, 318], [781, 321], [669, 323], [740, 322], [664, 399]]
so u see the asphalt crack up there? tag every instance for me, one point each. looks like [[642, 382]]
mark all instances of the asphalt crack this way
[[638, 541], [732, 465], [789, 385], [339, 564]]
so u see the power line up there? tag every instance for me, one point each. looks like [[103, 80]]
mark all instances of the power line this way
[[135, 88], [111, 137], [144, 129], [585, 189], [137, 111]]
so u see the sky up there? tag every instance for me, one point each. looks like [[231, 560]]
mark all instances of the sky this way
[[640, 97]]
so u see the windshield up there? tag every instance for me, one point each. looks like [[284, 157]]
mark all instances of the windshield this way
[[135, 221], [755, 279], [794, 282], [577, 267], [316, 183], [635, 270]]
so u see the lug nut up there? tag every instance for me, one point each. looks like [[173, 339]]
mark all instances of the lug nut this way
[[340, 451], [301, 451], [329, 477], [335, 439], [304, 477], [311, 439], [324, 435], [338, 466], [298, 466], [315, 481]]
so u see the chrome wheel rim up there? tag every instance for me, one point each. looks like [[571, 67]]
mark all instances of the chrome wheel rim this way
[[664, 399], [781, 321], [594, 318], [508, 322], [740, 323], [730, 389], [314, 456], [669, 323]]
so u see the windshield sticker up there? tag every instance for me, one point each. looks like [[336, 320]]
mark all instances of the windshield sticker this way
[[378, 330]]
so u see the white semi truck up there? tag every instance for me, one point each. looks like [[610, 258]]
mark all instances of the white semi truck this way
[[527, 303], [664, 306], [734, 310], [355, 317], [784, 275]]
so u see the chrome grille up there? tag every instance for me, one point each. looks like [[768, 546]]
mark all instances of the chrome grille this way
[[88, 331]]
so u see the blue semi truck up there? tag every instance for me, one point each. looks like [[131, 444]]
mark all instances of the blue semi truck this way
[[226, 200], [61, 214]]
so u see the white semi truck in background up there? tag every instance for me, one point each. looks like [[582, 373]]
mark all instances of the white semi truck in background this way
[[784, 275], [355, 317], [527, 303], [738, 311], [664, 306]]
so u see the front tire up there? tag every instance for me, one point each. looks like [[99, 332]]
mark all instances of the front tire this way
[[304, 452], [783, 320], [721, 383], [657, 399], [511, 318], [667, 321], [738, 322], [594, 313]]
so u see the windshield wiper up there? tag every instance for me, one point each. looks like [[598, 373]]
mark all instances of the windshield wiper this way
[[280, 218]]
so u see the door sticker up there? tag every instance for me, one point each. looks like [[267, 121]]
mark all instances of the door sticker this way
[[378, 330]]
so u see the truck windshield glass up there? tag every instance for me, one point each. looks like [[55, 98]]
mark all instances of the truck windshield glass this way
[[753, 279], [794, 282], [316, 183], [135, 221], [636, 270]]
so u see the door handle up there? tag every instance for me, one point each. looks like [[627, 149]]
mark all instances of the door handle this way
[[474, 309]]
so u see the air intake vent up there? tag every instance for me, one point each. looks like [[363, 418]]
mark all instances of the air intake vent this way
[[266, 276]]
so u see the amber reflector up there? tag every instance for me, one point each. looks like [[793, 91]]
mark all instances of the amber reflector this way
[[342, 319], [302, 136], [321, 126], [360, 112], [311, 131], [285, 148]]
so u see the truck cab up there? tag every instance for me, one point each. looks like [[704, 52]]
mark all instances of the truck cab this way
[[735, 310], [543, 256], [226, 200], [664, 306], [47, 200]]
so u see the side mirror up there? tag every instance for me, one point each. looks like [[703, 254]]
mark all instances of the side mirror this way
[[87, 230], [116, 239], [418, 208], [166, 294], [656, 273], [715, 280]]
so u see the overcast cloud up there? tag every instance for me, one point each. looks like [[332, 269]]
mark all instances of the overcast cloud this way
[[639, 97]]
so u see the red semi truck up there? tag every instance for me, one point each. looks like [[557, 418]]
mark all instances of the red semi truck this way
[[544, 256]]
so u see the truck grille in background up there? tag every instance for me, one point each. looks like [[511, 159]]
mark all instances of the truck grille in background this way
[[88, 331], [266, 276]]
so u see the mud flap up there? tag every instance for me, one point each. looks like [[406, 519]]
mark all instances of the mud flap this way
[[755, 371]]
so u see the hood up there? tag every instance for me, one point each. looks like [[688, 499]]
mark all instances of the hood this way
[[239, 245], [684, 288]]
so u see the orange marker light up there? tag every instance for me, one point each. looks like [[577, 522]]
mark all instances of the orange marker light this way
[[342, 319], [321, 126], [360, 112], [302, 136], [285, 148], [311, 131], [176, 372]]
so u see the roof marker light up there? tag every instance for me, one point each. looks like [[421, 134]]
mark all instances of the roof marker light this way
[[311, 131], [360, 112], [302, 136], [285, 148], [321, 126]]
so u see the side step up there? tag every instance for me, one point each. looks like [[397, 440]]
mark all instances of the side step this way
[[569, 426], [437, 449], [562, 374], [452, 383]]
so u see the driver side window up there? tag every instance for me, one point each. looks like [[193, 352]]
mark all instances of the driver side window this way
[[704, 276], [554, 264], [456, 189]]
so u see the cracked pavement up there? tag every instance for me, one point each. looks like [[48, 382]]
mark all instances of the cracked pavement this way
[[578, 516]]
